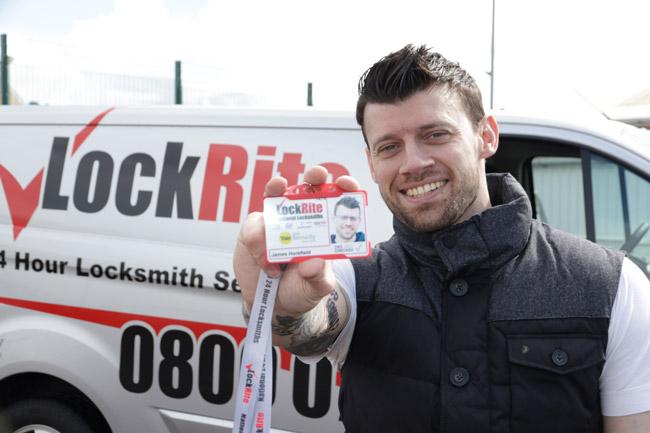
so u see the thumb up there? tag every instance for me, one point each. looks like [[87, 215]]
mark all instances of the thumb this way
[[318, 278]]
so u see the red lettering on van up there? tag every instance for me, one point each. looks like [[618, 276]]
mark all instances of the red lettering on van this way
[[262, 173], [81, 137], [215, 178], [226, 167], [290, 167], [22, 202]]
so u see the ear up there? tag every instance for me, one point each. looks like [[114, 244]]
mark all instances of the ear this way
[[489, 133], [372, 169]]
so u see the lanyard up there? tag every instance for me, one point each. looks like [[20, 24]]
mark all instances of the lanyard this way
[[254, 393]]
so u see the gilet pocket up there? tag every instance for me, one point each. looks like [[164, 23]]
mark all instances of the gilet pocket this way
[[554, 383]]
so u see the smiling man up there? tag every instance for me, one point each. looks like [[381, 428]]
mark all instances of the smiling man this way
[[347, 217], [473, 317]]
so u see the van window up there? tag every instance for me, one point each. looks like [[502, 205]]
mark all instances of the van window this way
[[558, 193], [619, 208]]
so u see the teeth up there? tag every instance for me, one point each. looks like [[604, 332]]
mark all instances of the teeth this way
[[421, 190]]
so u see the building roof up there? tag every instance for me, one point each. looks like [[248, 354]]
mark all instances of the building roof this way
[[634, 110]]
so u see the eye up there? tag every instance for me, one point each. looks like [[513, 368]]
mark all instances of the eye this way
[[437, 137], [386, 149], [438, 134]]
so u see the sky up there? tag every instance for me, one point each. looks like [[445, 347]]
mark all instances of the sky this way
[[556, 55]]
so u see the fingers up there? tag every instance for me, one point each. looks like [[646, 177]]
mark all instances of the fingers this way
[[249, 255], [253, 237], [275, 186], [316, 175], [347, 183]]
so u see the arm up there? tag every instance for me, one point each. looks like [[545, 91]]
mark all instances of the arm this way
[[314, 332], [637, 423], [625, 379]]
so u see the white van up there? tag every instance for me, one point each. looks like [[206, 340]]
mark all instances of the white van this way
[[119, 309]]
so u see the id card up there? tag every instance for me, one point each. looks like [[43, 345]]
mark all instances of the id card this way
[[315, 221]]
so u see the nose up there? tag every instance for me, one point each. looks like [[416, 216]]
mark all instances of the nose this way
[[416, 156]]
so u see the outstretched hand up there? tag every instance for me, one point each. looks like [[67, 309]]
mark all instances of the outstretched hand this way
[[304, 285]]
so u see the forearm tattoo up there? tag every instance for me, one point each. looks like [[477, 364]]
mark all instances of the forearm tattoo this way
[[316, 330], [332, 311]]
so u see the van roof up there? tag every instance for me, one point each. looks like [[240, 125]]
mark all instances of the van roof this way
[[623, 135], [178, 115], [211, 116]]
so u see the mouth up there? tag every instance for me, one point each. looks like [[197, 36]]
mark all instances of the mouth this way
[[421, 190]]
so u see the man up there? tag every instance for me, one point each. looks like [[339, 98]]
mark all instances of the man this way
[[347, 216], [474, 317]]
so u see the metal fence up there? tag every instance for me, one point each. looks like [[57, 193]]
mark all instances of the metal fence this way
[[67, 85], [58, 86], [35, 85], [4, 68]]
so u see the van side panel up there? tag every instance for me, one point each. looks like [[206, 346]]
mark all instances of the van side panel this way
[[116, 262]]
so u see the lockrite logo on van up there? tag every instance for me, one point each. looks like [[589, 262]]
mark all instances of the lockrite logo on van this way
[[23, 202], [226, 166]]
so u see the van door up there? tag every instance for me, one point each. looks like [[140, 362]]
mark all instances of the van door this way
[[582, 192]]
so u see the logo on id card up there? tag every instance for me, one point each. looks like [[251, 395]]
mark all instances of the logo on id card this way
[[315, 221]]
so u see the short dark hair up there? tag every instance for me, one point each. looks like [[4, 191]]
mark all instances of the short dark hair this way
[[403, 73], [347, 201]]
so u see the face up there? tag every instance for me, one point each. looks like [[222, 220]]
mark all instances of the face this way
[[347, 220], [428, 158]]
